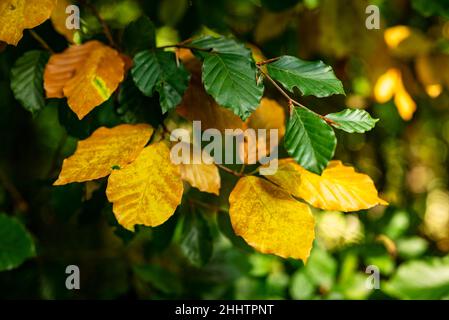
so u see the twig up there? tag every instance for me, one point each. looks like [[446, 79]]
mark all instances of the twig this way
[[207, 206], [103, 23], [291, 101], [226, 169], [261, 63], [183, 46], [41, 41]]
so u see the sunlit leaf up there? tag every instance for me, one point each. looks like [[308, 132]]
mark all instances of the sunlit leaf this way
[[87, 75], [148, 190], [339, 188], [17, 15], [105, 149], [203, 176], [59, 18], [311, 78], [270, 220]]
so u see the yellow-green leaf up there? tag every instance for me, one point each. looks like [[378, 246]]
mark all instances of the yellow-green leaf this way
[[148, 190], [87, 75], [339, 187], [270, 220], [105, 149], [17, 15]]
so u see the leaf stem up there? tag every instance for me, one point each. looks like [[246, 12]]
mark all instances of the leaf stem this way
[[291, 102], [261, 63], [103, 23], [184, 46], [207, 206], [41, 41], [230, 171]]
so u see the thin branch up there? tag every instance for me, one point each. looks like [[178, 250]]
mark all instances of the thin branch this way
[[103, 23], [261, 63], [41, 41], [290, 100], [183, 46], [207, 206], [230, 171]]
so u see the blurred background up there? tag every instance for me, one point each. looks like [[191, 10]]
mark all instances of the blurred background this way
[[399, 73]]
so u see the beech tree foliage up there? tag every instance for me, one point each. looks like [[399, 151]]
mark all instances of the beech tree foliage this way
[[113, 92]]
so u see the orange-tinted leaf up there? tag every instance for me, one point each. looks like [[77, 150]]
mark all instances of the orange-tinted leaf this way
[[17, 15], [87, 75], [105, 149]]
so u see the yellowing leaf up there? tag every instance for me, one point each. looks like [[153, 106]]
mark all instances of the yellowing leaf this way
[[429, 70], [269, 115], [59, 18], [404, 103], [395, 35], [204, 176], [148, 190], [17, 15], [87, 75], [198, 105], [386, 85], [339, 188], [270, 220], [105, 149]]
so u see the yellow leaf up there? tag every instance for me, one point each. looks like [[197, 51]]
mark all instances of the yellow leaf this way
[[339, 188], [198, 105], [390, 84], [386, 85], [395, 35], [59, 18], [148, 190], [106, 148], [270, 220], [17, 15], [404, 102], [204, 175], [87, 75]]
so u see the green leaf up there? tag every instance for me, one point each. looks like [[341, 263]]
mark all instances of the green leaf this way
[[16, 244], [431, 7], [27, 80], [229, 75], [196, 241], [139, 35], [309, 140], [352, 120], [302, 287], [421, 280], [158, 71], [321, 268], [311, 78]]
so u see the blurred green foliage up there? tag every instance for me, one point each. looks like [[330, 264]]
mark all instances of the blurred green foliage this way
[[196, 254]]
